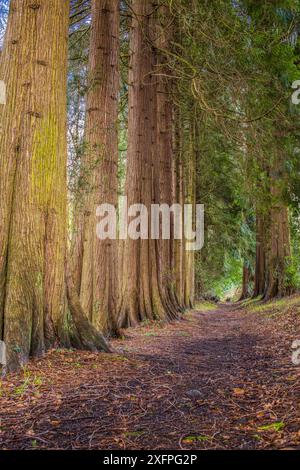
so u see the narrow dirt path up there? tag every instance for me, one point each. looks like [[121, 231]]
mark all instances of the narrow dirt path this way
[[215, 380]]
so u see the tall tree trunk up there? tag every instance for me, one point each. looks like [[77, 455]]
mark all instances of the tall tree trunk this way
[[96, 259], [189, 198], [34, 289], [260, 261], [273, 250], [279, 251], [245, 282], [186, 135], [179, 199], [165, 151], [142, 294]]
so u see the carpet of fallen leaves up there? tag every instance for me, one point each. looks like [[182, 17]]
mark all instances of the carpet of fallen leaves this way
[[218, 379]]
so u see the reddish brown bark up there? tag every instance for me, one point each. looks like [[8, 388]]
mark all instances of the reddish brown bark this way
[[144, 293], [260, 261], [278, 254], [38, 309], [165, 151], [245, 282], [95, 271]]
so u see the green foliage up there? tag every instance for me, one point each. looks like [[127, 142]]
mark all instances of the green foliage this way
[[236, 62], [293, 262], [204, 306], [232, 65], [191, 439], [278, 426]]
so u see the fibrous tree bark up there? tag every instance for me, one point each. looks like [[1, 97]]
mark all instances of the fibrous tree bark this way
[[273, 247], [143, 294], [38, 306], [95, 259], [186, 156], [260, 259], [278, 246], [165, 170], [189, 198], [246, 282], [179, 198]]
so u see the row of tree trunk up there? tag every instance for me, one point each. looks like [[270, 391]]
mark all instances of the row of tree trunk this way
[[122, 284], [273, 245], [273, 253], [46, 298]]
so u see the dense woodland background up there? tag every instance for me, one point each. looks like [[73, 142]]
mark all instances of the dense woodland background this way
[[163, 101]]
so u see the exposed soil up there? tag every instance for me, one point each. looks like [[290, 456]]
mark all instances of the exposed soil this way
[[219, 379]]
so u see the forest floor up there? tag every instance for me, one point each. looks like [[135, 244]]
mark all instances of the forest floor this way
[[222, 378]]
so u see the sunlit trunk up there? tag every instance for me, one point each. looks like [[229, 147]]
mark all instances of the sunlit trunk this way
[[95, 260], [34, 293]]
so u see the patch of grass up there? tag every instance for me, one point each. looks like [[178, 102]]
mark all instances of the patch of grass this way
[[29, 382], [22, 388], [117, 357], [37, 381], [205, 306], [190, 439], [248, 302], [272, 307], [278, 426]]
